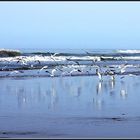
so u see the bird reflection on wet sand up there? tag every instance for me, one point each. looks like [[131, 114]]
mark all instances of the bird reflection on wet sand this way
[[71, 87], [61, 103]]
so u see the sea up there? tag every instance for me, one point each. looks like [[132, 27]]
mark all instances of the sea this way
[[68, 62], [79, 93]]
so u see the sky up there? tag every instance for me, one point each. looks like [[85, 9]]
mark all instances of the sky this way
[[72, 25]]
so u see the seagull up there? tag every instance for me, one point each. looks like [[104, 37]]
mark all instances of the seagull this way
[[111, 73], [123, 67], [22, 61], [75, 70], [89, 54], [131, 74], [45, 67], [99, 74], [52, 72], [15, 72], [54, 54], [112, 77]]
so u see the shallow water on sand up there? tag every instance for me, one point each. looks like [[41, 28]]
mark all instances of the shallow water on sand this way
[[70, 107]]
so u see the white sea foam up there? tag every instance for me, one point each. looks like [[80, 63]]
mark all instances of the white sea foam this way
[[18, 60], [33, 65], [128, 51]]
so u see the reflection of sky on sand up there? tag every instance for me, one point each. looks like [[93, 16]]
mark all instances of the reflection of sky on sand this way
[[84, 96]]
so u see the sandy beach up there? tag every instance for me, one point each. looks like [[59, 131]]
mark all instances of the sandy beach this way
[[70, 107]]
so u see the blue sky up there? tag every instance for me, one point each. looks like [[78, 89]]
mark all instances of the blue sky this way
[[95, 25]]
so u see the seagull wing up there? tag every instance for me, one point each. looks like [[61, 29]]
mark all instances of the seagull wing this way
[[43, 68]]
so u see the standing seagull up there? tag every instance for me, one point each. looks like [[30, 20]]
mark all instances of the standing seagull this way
[[112, 74], [99, 74], [52, 72]]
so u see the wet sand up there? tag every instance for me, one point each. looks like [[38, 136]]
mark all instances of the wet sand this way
[[70, 107]]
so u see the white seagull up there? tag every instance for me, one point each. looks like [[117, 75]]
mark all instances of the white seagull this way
[[52, 72], [45, 67], [15, 72], [75, 70], [99, 74], [122, 68], [112, 74]]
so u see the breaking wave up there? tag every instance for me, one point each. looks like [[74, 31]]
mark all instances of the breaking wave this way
[[69, 63], [128, 51]]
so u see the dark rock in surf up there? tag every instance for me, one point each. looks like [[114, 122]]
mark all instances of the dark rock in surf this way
[[9, 53]]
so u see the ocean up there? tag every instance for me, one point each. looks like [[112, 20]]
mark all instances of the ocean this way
[[70, 63], [70, 94]]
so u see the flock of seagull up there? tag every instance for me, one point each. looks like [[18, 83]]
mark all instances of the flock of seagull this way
[[72, 68]]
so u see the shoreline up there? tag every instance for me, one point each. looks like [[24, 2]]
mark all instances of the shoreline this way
[[70, 107]]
